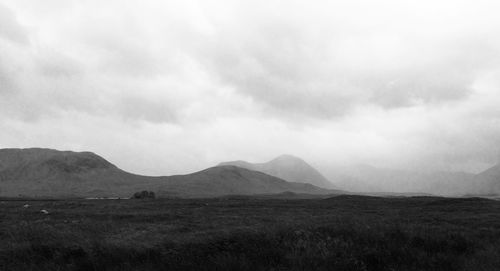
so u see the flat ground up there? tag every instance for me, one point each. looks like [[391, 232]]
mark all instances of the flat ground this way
[[242, 233]]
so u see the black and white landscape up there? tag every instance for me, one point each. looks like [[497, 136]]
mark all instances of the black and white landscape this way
[[45, 173], [48, 173], [249, 135]]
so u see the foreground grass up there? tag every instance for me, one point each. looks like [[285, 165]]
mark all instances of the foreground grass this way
[[343, 233]]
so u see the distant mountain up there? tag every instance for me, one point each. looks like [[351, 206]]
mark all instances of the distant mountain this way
[[232, 180], [365, 178], [51, 173], [289, 168], [492, 172], [488, 181]]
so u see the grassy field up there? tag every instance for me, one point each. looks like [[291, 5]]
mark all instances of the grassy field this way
[[241, 233]]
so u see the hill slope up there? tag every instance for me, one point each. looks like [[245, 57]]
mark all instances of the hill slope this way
[[488, 181], [365, 178], [232, 180], [51, 173], [287, 167]]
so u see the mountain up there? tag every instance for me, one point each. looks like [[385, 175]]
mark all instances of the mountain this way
[[232, 180], [365, 178], [50, 173], [488, 181], [289, 168]]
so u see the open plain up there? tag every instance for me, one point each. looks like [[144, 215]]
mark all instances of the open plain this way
[[251, 233]]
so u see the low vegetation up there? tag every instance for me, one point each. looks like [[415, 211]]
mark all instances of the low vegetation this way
[[244, 233], [144, 195]]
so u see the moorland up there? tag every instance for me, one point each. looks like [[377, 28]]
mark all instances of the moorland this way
[[251, 233]]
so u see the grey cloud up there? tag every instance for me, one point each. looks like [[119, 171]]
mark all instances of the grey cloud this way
[[129, 59], [284, 67], [432, 87], [56, 64], [10, 27], [12, 35], [225, 73], [127, 51], [6, 84], [139, 108], [275, 67], [471, 143]]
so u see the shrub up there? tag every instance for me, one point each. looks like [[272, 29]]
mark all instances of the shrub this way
[[144, 195]]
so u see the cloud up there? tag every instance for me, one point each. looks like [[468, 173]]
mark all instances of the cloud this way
[[186, 84], [316, 66], [10, 28], [143, 109]]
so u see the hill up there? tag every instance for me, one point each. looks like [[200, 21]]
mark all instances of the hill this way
[[40, 172], [289, 168], [64, 174], [365, 178], [233, 180], [488, 181]]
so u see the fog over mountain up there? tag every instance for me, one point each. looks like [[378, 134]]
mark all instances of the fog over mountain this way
[[172, 87], [489, 181], [43, 173], [364, 178], [50, 173], [289, 168]]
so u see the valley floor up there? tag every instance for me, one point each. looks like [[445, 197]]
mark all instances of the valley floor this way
[[244, 233]]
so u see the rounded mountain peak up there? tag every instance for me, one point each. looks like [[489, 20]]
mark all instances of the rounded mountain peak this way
[[289, 168], [287, 159], [67, 161]]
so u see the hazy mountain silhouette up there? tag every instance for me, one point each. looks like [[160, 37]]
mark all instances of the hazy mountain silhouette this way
[[233, 180], [366, 178], [50, 173], [488, 181], [289, 168]]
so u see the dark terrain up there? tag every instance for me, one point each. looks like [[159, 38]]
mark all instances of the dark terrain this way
[[47, 173], [246, 233]]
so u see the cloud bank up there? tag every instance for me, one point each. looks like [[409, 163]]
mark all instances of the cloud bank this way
[[166, 87]]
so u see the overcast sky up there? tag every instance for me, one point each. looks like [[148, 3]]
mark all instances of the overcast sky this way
[[168, 87]]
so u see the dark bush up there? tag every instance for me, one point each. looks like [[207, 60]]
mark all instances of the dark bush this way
[[144, 195]]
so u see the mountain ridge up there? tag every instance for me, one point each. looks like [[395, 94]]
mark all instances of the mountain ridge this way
[[366, 178], [289, 168], [38, 172]]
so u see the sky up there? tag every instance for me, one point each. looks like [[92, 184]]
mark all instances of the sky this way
[[171, 87]]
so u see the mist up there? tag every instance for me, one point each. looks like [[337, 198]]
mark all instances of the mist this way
[[170, 87]]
